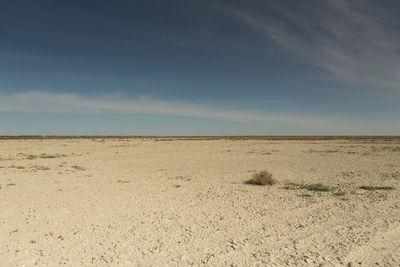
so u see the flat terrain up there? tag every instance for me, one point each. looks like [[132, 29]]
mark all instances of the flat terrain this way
[[179, 202]]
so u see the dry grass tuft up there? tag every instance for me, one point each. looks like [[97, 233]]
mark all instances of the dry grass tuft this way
[[261, 178]]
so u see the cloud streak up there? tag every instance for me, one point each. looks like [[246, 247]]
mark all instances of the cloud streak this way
[[358, 41], [45, 102]]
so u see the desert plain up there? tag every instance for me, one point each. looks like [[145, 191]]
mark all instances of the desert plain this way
[[184, 202]]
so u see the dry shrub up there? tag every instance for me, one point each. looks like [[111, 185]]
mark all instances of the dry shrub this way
[[261, 178]]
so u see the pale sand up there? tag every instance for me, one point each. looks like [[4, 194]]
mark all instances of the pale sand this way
[[140, 202]]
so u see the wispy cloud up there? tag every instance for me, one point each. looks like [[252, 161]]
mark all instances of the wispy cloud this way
[[358, 41], [35, 101]]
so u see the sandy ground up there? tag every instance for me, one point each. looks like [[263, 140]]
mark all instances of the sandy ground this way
[[142, 202]]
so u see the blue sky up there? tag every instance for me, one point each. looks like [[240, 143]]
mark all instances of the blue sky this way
[[200, 67]]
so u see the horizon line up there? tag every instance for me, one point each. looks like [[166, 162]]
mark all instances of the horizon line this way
[[203, 137]]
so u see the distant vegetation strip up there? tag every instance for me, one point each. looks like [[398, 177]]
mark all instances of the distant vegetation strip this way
[[169, 138]]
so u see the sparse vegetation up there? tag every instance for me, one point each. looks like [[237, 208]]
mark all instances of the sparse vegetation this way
[[79, 168], [339, 194], [261, 178], [17, 167], [123, 181], [323, 151], [373, 188], [291, 186], [316, 187], [40, 168], [385, 148], [181, 177], [164, 139], [45, 156], [305, 195], [310, 187], [30, 157]]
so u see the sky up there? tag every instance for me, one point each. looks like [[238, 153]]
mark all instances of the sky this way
[[209, 67]]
